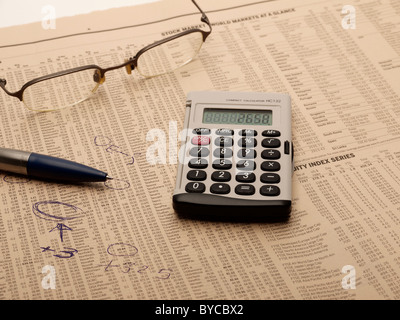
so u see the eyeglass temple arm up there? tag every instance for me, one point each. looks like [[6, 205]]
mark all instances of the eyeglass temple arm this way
[[129, 65], [204, 17], [17, 94]]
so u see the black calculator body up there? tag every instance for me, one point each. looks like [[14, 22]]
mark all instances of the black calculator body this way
[[237, 159]]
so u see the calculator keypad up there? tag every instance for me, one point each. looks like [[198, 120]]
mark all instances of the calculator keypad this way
[[236, 165]]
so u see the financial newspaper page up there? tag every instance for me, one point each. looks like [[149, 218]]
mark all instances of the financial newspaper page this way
[[122, 240]]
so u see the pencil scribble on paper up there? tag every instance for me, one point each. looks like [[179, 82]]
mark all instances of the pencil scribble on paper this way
[[50, 211], [103, 141], [63, 254], [15, 179], [61, 228], [126, 251], [117, 184], [42, 214]]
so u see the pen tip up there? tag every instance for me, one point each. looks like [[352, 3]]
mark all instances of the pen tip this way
[[109, 178]]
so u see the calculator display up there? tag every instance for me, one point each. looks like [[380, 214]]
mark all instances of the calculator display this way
[[235, 116]]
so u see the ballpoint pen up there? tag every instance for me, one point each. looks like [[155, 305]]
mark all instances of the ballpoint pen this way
[[46, 167]]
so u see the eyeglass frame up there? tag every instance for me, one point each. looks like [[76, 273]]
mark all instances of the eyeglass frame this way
[[129, 64]]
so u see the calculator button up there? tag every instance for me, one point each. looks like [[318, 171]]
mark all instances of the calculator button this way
[[247, 133], [245, 189], [245, 177], [221, 176], [247, 153], [196, 175], [196, 187], [270, 154], [201, 140], [270, 166], [271, 143], [247, 142], [222, 164], [224, 142], [270, 191], [271, 133], [246, 165], [220, 188], [287, 147], [224, 132], [270, 178], [201, 131], [199, 152], [223, 153], [198, 163]]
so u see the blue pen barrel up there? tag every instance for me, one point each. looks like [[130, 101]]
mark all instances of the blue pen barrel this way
[[46, 167]]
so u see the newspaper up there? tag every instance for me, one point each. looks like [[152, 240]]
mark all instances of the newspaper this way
[[122, 239]]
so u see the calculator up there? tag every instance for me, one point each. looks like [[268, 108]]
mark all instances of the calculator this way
[[237, 158]]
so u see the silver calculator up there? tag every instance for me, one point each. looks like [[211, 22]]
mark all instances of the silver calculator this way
[[237, 159]]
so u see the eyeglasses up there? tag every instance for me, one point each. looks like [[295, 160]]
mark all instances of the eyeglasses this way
[[70, 87]]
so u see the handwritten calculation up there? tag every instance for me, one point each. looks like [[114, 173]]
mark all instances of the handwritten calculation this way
[[128, 251]]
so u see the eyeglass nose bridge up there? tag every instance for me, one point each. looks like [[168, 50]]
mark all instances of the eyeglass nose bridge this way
[[129, 67], [98, 78]]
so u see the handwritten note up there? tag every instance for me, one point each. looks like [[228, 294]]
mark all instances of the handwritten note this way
[[126, 250]]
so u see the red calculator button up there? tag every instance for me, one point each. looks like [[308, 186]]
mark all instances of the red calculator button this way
[[201, 140]]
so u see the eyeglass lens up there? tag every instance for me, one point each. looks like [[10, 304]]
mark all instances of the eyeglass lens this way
[[60, 92], [170, 55]]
